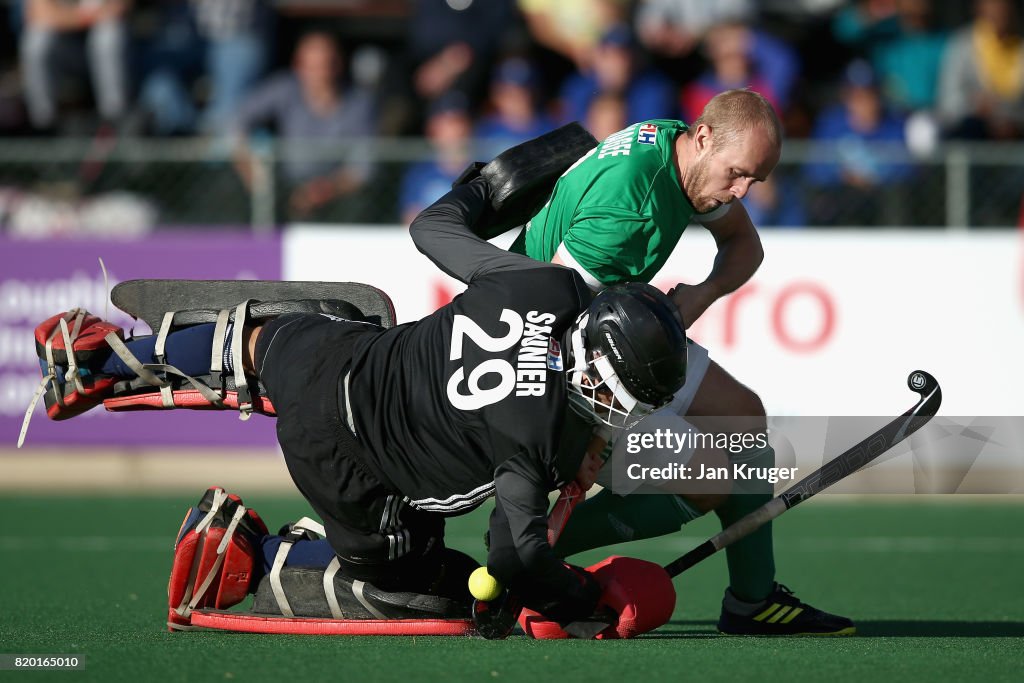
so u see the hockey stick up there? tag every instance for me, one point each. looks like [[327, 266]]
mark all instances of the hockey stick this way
[[572, 493], [568, 498], [835, 470]]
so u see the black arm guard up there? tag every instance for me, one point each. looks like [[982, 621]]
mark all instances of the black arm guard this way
[[521, 178]]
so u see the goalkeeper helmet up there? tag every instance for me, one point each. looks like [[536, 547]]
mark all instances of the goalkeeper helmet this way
[[629, 347]]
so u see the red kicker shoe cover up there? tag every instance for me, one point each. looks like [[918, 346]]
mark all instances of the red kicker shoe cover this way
[[68, 397], [91, 337], [213, 561]]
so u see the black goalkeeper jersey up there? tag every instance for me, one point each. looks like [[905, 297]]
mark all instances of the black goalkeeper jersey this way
[[442, 403], [471, 400]]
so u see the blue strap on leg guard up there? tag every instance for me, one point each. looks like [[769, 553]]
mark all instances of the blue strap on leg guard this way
[[187, 349]]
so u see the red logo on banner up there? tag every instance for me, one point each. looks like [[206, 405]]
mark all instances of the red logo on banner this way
[[442, 295], [807, 334], [815, 293]]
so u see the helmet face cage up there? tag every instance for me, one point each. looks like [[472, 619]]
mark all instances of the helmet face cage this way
[[591, 373]]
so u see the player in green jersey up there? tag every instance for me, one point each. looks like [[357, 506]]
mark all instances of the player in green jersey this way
[[615, 216]]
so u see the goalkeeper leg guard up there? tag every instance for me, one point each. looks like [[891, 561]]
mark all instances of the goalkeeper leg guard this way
[[328, 593]]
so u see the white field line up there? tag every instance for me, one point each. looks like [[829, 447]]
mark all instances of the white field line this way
[[89, 544], [860, 544], [884, 544]]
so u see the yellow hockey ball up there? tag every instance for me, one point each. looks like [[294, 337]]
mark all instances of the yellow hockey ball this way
[[483, 586]]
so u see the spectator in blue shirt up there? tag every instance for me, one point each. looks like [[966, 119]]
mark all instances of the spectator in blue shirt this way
[[864, 154], [903, 46], [606, 115], [304, 106], [615, 69], [775, 203], [515, 115], [740, 57], [448, 128]]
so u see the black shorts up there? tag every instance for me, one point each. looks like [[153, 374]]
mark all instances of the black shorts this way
[[301, 360]]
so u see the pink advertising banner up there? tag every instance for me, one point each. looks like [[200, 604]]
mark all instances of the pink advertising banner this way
[[41, 279]]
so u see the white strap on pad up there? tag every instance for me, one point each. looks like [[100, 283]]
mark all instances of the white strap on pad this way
[[241, 383], [304, 524], [332, 597]]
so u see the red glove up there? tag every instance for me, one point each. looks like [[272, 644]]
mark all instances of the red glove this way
[[639, 592]]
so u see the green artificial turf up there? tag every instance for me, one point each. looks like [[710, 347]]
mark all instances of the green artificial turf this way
[[935, 587]]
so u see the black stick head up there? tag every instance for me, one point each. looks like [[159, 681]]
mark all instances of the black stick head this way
[[495, 619], [927, 387], [922, 382]]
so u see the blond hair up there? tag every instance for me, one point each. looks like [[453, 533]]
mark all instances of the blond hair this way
[[730, 114]]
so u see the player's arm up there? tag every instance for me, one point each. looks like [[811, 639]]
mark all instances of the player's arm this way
[[739, 255], [443, 233], [520, 557]]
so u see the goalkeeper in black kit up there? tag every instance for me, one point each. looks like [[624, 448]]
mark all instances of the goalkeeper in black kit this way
[[466, 403], [386, 432]]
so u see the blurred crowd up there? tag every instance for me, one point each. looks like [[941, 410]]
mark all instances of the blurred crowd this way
[[882, 82]]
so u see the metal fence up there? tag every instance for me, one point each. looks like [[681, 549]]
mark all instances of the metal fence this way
[[126, 186]]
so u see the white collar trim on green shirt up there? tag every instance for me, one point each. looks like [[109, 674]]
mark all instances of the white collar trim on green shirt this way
[[570, 262], [713, 214]]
